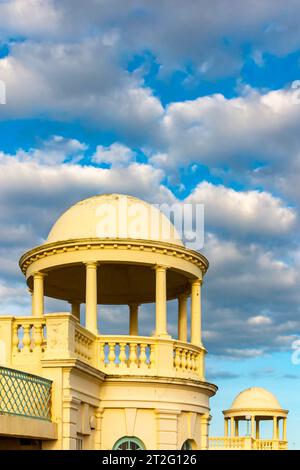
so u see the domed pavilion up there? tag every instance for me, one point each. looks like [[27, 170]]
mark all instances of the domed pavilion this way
[[113, 391], [253, 406]]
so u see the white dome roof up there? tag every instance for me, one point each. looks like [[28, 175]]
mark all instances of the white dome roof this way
[[114, 216], [255, 398]]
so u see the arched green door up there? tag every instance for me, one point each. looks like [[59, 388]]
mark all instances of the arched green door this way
[[187, 445], [129, 443]]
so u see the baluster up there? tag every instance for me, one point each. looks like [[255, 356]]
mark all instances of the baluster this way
[[183, 360], [16, 337], [102, 354], [192, 362], [79, 346], [111, 354], [88, 349], [44, 333], [196, 363], [143, 357], [177, 361], [151, 356], [122, 356], [133, 355], [82, 351], [38, 336], [83, 342], [26, 338], [188, 362], [201, 364]]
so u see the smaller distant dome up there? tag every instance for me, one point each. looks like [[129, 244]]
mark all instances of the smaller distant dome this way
[[255, 398]]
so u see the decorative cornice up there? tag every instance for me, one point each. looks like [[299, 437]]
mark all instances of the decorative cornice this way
[[51, 249]]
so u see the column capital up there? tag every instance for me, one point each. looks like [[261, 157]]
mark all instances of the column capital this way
[[160, 267], [197, 282], [92, 263], [133, 304], [183, 295], [39, 275]]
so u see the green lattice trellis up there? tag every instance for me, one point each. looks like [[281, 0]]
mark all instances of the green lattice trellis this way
[[24, 394]]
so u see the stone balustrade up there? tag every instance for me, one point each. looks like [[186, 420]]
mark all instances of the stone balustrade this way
[[60, 336], [126, 353], [245, 443], [189, 360], [29, 335], [141, 355], [84, 341], [227, 443]]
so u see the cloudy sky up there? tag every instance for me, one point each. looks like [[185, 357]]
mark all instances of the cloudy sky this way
[[194, 101]]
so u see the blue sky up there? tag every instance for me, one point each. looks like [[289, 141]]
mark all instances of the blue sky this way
[[168, 101]]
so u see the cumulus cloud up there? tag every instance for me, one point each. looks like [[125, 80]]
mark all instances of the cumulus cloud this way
[[203, 33], [115, 154], [35, 18], [245, 213], [53, 151], [259, 320], [82, 81], [231, 133]]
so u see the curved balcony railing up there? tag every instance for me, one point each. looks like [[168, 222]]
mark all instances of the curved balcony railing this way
[[60, 335], [142, 355], [245, 443], [226, 443]]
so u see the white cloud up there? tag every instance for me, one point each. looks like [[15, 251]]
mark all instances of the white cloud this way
[[34, 18], [53, 151], [244, 353], [82, 81], [243, 212], [221, 132], [115, 154], [203, 33], [259, 320]]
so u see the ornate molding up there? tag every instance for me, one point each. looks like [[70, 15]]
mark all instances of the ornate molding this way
[[51, 249]]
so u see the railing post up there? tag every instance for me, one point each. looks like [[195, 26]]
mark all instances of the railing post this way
[[204, 431], [6, 340], [248, 443], [60, 336], [164, 358]]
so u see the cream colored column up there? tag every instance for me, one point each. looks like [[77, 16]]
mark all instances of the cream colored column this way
[[91, 297], [253, 426], [236, 430], [284, 430], [38, 294], [257, 428], [161, 301], [275, 427], [226, 427], [196, 312], [75, 309], [231, 426], [182, 318], [133, 319]]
